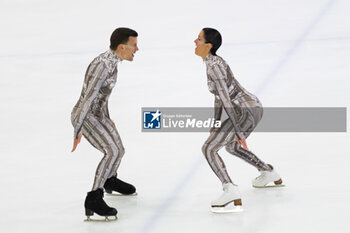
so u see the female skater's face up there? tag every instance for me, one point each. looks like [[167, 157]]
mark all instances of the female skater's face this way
[[202, 48]]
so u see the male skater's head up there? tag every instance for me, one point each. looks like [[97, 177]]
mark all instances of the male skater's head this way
[[124, 43]]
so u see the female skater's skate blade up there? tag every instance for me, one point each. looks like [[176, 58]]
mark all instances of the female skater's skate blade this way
[[231, 207], [275, 184]]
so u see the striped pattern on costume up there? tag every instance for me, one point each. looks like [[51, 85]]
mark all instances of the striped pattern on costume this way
[[90, 115], [244, 111]]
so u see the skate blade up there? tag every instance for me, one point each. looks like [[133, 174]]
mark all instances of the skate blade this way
[[120, 195], [223, 210], [269, 186], [229, 208], [106, 219], [277, 183]]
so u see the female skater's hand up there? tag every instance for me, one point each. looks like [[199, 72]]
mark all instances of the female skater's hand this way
[[212, 129], [242, 142], [76, 141]]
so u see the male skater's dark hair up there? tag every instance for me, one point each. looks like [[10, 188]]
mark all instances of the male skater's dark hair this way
[[121, 36]]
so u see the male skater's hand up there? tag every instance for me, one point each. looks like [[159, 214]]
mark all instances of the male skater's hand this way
[[77, 141], [242, 142]]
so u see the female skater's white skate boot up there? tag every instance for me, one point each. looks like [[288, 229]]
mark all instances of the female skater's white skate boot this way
[[231, 196], [267, 177]]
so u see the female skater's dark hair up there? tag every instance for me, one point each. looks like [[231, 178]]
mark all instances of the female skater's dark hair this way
[[121, 36], [213, 37]]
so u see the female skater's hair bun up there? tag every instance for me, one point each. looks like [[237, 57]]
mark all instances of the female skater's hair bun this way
[[213, 37]]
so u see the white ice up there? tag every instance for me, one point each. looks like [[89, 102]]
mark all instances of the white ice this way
[[290, 52]]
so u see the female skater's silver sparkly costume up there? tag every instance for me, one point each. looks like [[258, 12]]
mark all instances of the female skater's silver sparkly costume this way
[[91, 117], [244, 111]]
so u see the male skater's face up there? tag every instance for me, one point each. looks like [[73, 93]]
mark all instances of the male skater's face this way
[[130, 49]]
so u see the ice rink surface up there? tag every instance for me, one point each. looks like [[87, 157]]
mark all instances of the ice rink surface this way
[[291, 53]]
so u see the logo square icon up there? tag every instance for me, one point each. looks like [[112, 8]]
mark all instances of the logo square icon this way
[[152, 119]]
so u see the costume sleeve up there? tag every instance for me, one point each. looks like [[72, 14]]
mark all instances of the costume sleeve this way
[[217, 108], [218, 75], [96, 75], [106, 110]]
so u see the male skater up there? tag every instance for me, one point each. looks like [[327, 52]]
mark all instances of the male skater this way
[[90, 117]]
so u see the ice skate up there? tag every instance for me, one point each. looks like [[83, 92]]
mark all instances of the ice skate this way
[[267, 179], [229, 202], [122, 188], [94, 203]]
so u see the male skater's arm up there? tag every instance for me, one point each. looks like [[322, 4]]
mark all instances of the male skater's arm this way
[[96, 76], [106, 111]]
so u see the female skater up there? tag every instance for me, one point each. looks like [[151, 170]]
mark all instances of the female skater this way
[[244, 111]]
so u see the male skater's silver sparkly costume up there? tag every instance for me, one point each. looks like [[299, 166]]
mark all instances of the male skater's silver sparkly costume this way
[[91, 117], [244, 111]]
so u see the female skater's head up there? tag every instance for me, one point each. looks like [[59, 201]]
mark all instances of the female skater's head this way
[[209, 41], [124, 43]]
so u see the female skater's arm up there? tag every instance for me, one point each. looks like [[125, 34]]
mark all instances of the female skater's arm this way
[[217, 108], [217, 111], [218, 76], [106, 110]]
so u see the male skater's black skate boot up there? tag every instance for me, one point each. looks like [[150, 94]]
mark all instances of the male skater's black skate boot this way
[[114, 184], [94, 203]]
